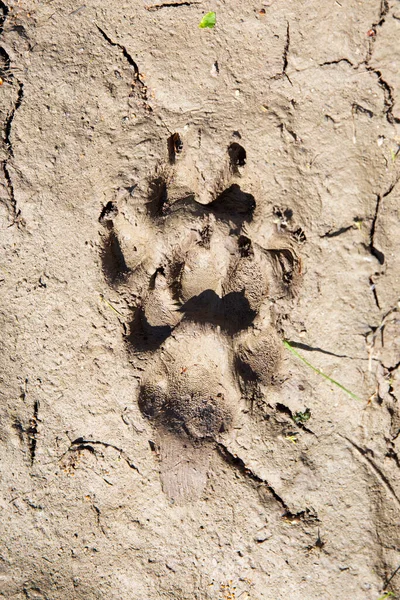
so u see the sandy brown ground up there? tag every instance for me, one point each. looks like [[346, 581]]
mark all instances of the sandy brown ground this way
[[91, 93]]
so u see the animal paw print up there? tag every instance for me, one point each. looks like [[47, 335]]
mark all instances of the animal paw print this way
[[184, 250]]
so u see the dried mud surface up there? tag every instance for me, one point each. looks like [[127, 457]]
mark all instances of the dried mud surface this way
[[175, 203]]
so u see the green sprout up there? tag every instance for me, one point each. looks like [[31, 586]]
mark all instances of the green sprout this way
[[319, 371], [302, 417], [386, 595], [208, 20]]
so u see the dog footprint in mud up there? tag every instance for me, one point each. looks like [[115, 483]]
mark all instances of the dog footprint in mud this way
[[203, 287]]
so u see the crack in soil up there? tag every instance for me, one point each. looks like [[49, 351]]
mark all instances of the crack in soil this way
[[283, 409], [8, 124], [328, 63], [374, 251], [379, 255], [285, 56], [3, 17], [378, 472], [83, 444], [5, 69], [286, 50], [32, 431], [283, 127], [97, 512], [235, 461], [386, 87], [154, 7], [132, 63], [387, 581], [308, 515], [383, 11], [389, 100], [394, 368], [374, 291], [11, 193]]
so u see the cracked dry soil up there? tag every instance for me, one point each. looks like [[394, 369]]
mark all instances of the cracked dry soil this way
[[175, 203]]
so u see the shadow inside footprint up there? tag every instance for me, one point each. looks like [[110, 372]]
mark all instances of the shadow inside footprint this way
[[237, 312], [187, 205], [204, 308], [142, 336], [231, 312], [237, 156], [233, 205], [158, 197], [113, 261]]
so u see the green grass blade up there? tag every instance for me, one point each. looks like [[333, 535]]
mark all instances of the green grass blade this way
[[305, 361], [110, 305]]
